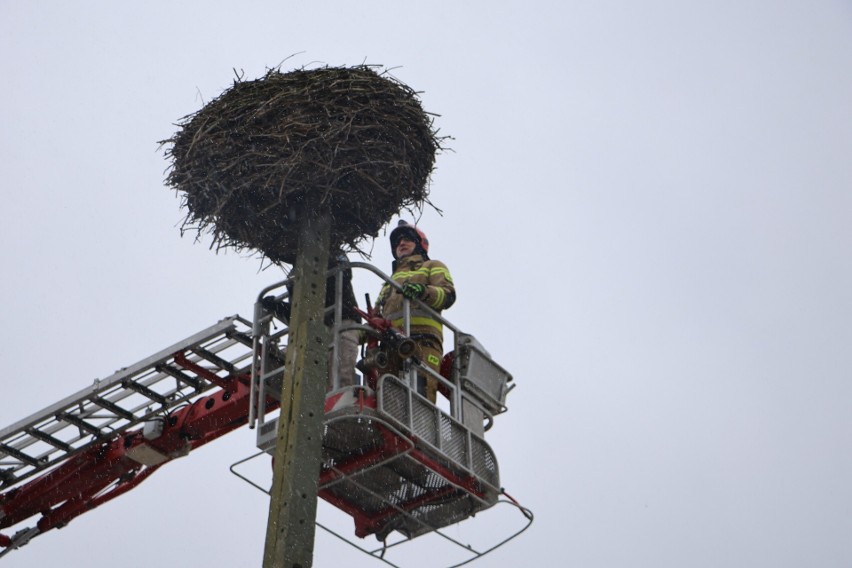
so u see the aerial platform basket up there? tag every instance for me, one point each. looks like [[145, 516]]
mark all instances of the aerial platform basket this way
[[393, 461], [402, 468]]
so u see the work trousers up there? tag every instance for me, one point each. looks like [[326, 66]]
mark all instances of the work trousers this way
[[347, 354]]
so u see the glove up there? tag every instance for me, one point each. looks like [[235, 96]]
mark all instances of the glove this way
[[413, 291], [279, 309]]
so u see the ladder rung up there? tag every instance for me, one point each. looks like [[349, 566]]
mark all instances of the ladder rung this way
[[215, 359], [179, 375], [80, 423], [243, 338], [9, 450], [114, 408], [55, 442], [145, 391], [273, 374]]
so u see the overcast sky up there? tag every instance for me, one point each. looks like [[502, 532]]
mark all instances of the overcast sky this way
[[647, 213]]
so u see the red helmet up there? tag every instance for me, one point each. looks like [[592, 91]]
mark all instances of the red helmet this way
[[418, 237]]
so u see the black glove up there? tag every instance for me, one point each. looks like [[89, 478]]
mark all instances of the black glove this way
[[413, 291], [278, 308]]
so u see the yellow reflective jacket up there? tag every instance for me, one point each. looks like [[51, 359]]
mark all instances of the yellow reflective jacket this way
[[440, 294]]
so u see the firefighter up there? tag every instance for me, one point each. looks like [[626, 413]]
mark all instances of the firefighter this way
[[425, 281], [348, 339]]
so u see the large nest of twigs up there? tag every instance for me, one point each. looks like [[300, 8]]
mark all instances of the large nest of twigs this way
[[351, 139]]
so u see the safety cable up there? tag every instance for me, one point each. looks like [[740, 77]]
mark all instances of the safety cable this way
[[379, 554]]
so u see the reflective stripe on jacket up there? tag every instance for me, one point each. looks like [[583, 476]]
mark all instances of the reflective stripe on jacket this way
[[440, 294]]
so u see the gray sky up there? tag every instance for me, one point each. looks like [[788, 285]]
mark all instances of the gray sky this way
[[647, 213]]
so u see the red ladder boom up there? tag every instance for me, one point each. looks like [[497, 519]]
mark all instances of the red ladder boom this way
[[105, 440]]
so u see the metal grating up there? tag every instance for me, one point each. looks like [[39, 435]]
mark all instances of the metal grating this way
[[454, 440], [483, 462], [396, 401], [424, 421], [458, 445]]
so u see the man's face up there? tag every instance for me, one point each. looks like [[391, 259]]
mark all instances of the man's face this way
[[405, 247]]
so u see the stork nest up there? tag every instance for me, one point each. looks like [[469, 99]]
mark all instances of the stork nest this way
[[249, 163]]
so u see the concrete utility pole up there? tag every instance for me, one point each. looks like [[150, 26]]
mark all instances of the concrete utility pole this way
[[293, 504]]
